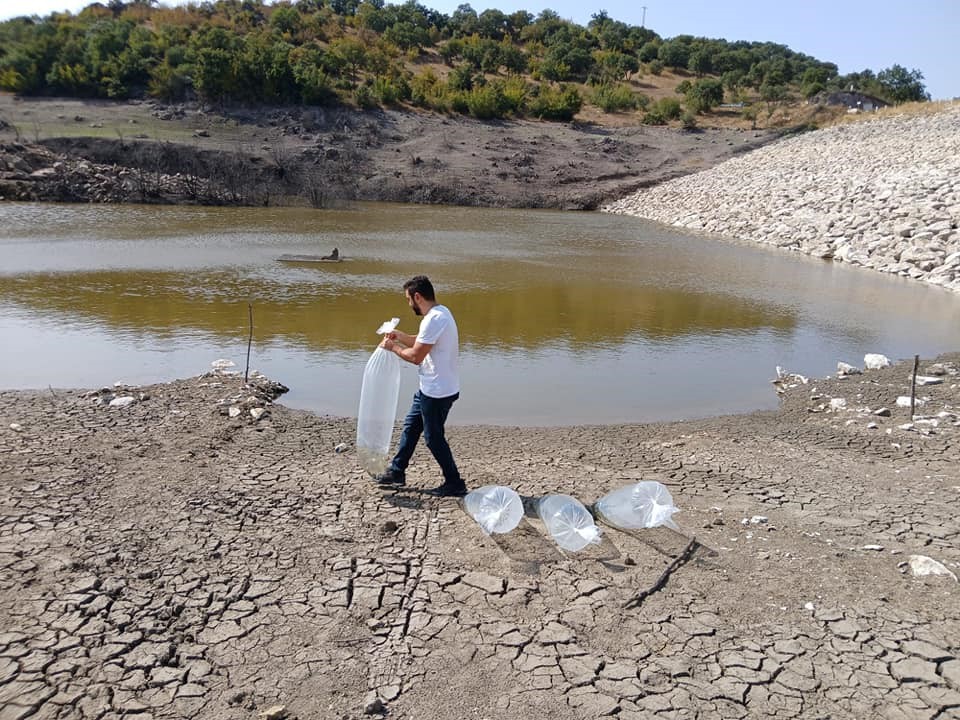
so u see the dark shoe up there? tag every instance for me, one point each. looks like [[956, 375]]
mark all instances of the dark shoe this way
[[447, 490], [392, 477]]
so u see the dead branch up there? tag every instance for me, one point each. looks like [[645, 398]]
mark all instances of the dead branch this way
[[679, 561]]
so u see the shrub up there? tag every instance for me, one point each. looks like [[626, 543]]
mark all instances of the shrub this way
[[655, 67], [486, 102], [654, 117], [423, 87], [363, 95], [387, 92], [458, 101], [461, 77], [550, 103], [668, 107], [515, 95], [614, 97]]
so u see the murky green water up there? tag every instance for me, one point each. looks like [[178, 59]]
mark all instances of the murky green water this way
[[564, 318]]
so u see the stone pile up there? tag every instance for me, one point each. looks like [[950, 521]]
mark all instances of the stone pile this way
[[883, 194]]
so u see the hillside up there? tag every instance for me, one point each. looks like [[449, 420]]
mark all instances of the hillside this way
[[318, 103], [149, 152], [366, 55]]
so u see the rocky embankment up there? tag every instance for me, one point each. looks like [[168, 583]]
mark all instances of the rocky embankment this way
[[883, 194], [33, 172]]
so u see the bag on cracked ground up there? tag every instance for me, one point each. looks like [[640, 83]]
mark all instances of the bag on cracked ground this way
[[497, 509], [646, 504], [378, 406], [568, 522]]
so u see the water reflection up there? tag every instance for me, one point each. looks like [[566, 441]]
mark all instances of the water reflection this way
[[320, 315]]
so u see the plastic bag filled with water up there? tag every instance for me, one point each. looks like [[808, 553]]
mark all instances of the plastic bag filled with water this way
[[568, 522], [646, 504], [497, 509], [378, 406]]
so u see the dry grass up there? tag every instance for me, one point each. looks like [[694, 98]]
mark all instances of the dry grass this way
[[907, 110]]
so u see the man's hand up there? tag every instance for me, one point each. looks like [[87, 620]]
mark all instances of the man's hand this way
[[387, 342]]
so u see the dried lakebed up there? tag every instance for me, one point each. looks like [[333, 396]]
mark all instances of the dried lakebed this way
[[166, 560]]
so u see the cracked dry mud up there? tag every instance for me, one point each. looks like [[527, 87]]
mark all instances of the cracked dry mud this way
[[164, 560]]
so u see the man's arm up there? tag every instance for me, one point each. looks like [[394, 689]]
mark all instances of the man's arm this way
[[414, 354], [407, 340]]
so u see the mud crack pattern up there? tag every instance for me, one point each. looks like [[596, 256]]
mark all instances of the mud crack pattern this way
[[163, 560]]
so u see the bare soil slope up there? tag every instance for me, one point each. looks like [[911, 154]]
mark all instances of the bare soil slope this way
[[320, 155]]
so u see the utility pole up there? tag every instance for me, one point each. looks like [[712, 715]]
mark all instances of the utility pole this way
[[643, 18]]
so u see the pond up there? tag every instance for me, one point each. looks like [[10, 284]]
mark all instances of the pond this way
[[565, 318]]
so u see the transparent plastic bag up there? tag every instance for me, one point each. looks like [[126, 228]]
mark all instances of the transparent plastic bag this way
[[378, 406], [646, 504], [496, 508], [568, 522]]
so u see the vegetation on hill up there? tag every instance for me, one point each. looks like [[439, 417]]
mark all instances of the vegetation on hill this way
[[488, 65]]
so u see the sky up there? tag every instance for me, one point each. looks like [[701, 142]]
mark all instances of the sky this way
[[854, 34]]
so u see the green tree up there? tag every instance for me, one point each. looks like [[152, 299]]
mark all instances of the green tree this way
[[352, 52], [406, 35], [674, 53], [704, 95], [286, 20], [901, 85], [700, 62], [314, 85], [214, 78]]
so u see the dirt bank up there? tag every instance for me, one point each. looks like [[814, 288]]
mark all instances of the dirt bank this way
[[165, 559], [145, 152]]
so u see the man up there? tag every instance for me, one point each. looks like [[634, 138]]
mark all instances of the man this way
[[435, 349]]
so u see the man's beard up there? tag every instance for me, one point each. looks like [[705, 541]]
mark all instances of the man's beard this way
[[416, 310]]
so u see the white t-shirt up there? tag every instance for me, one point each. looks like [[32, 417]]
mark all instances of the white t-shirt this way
[[439, 374]]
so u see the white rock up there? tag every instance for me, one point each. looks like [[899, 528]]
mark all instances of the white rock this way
[[758, 519], [222, 364], [120, 402], [234, 411], [875, 361], [871, 426], [837, 404], [847, 369], [808, 606], [16, 427], [877, 548], [257, 412], [921, 566], [928, 380], [904, 401]]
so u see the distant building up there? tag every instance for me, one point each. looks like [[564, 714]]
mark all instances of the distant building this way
[[850, 99]]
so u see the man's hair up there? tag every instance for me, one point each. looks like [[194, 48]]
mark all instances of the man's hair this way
[[420, 284]]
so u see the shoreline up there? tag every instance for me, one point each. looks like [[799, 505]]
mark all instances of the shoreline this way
[[163, 558]]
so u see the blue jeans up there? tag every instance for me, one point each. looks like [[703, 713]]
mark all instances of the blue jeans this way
[[427, 416]]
